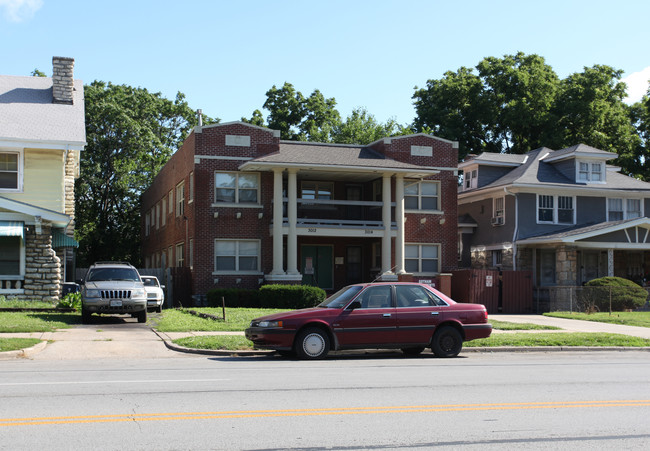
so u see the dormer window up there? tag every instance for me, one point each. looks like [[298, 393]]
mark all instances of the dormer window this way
[[590, 172], [471, 179]]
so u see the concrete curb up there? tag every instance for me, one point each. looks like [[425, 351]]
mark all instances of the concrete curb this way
[[23, 353], [217, 352]]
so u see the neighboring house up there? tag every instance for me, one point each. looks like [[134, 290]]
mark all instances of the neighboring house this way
[[42, 131], [565, 215], [243, 208]]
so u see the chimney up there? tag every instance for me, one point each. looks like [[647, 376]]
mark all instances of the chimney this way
[[62, 83]]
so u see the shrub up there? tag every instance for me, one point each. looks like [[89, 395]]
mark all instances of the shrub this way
[[624, 294], [70, 300], [290, 296]]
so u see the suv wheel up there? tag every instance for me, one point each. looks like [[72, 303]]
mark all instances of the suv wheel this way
[[85, 316], [142, 316]]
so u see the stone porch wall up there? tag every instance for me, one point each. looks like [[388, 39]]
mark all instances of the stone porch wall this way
[[42, 267]]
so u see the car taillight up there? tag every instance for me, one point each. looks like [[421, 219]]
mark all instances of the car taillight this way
[[486, 316]]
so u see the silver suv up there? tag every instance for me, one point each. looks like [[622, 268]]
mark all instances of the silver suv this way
[[113, 287]]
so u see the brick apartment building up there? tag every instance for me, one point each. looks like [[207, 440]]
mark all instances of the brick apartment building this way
[[242, 208]]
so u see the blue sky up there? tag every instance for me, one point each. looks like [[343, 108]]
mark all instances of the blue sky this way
[[225, 55]]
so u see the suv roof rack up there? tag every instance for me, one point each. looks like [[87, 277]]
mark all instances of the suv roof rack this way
[[112, 263]]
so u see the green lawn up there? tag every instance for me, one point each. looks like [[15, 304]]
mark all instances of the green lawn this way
[[237, 319], [559, 339], [37, 322], [13, 344], [505, 325], [641, 319], [218, 342]]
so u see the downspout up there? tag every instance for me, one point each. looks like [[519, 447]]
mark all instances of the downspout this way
[[514, 234]]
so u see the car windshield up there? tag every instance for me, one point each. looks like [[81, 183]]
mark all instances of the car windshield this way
[[113, 274], [341, 298], [150, 282]]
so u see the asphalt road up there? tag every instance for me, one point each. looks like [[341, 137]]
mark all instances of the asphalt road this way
[[574, 400]]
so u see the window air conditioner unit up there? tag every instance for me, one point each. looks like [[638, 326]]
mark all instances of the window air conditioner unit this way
[[497, 220]]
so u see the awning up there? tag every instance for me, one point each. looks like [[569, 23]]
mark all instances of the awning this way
[[62, 240], [11, 228]]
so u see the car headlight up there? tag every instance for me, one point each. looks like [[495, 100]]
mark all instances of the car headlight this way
[[93, 294], [138, 293], [270, 324]]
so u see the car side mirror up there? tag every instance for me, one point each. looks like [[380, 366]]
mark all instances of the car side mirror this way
[[354, 305]]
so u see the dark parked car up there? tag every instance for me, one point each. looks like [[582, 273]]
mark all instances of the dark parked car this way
[[406, 316]]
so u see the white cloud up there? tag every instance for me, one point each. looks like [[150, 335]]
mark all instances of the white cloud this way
[[637, 85], [19, 10]]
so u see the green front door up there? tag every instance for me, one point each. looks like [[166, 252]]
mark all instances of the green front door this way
[[316, 266]]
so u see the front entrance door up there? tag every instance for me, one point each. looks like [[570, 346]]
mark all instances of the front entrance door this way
[[353, 265], [316, 265]]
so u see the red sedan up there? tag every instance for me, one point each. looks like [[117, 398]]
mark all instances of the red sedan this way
[[406, 316]]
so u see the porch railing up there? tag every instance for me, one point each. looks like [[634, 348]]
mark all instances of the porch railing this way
[[11, 285], [345, 213]]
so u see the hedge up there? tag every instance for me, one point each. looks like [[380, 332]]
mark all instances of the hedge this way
[[612, 292], [268, 296]]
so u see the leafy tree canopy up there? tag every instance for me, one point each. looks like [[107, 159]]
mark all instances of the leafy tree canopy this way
[[130, 133]]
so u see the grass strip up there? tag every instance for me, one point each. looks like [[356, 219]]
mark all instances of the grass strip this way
[[557, 339], [505, 325], [237, 319], [37, 322], [640, 319], [13, 344], [216, 342]]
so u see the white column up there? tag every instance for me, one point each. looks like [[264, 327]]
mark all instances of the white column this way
[[385, 217], [292, 213], [277, 222], [399, 219]]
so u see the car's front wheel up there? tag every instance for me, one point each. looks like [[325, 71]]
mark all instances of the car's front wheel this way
[[312, 343], [447, 342]]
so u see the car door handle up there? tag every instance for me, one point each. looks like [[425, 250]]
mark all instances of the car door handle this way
[[386, 315], [435, 313]]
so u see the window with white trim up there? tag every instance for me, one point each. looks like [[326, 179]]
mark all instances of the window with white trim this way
[[555, 209], [619, 209], [237, 187], [499, 207], [180, 255], [422, 258], [10, 251], [234, 256], [317, 190], [191, 194], [590, 172], [180, 199], [471, 178], [163, 217], [171, 201], [10, 171], [421, 195]]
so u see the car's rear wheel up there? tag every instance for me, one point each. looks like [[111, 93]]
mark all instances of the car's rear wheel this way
[[312, 343], [142, 316], [413, 351], [447, 342]]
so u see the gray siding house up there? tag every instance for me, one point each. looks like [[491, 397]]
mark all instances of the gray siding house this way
[[563, 214]]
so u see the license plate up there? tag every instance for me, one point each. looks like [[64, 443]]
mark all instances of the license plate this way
[[116, 303]]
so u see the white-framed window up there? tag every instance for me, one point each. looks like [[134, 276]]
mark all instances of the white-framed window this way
[[191, 193], [236, 256], [10, 256], [555, 209], [180, 199], [317, 190], [589, 171], [619, 209], [422, 258], [11, 171], [497, 257], [470, 178], [499, 209], [237, 187], [163, 217], [170, 197], [421, 195], [180, 255]]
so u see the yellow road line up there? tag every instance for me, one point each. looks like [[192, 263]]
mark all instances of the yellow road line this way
[[35, 421]]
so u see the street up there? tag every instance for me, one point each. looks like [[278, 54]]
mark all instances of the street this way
[[353, 401]]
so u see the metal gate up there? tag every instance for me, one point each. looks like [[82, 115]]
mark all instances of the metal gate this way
[[181, 286], [499, 292], [517, 292]]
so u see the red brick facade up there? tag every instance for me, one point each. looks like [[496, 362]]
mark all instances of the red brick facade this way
[[205, 220]]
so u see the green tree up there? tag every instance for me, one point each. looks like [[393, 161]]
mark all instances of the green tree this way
[[640, 118], [37, 73], [130, 134], [505, 107], [298, 118], [362, 128]]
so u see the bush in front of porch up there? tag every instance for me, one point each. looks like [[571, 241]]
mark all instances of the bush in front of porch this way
[[611, 294]]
